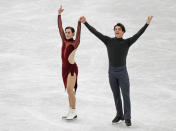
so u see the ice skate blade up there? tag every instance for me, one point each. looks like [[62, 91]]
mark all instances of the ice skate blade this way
[[64, 117], [115, 123], [75, 117]]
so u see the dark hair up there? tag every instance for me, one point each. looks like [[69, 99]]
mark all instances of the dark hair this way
[[121, 26], [71, 28]]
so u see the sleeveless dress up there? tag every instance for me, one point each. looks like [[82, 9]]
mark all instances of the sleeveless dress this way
[[67, 47]]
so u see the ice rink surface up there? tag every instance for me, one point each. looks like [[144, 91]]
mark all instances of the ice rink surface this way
[[32, 95]]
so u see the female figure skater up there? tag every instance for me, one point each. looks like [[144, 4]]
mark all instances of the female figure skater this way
[[69, 67]]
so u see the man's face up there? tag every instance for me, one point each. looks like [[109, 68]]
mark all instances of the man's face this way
[[69, 34], [118, 32]]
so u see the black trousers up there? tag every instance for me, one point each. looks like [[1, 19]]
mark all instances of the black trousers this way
[[119, 82]]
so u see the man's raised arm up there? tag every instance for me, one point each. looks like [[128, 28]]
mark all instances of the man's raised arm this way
[[94, 31], [140, 32]]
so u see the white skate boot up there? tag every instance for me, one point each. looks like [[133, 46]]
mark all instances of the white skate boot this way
[[72, 115], [65, 116]]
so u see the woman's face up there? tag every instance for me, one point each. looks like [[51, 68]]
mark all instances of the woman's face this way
[[69, 34]]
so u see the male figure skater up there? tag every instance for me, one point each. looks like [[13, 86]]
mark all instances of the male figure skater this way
[[117, 48]]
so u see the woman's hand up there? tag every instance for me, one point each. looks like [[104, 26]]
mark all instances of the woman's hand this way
[[60, 10]]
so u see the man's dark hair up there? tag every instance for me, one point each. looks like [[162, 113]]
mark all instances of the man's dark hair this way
[[121, 26], [71, 28]]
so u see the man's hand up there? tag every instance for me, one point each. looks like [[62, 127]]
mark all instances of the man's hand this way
[[60, 10], [82, 19], [149, 19]]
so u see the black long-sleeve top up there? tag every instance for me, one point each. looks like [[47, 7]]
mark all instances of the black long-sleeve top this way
[[117, 47]]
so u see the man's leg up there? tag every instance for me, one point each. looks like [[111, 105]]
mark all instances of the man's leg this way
[[125, 88], [116, 93]]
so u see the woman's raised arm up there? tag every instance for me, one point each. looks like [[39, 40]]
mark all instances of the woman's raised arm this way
[[61, 31]]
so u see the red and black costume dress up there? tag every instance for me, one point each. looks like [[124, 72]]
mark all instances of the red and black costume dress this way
[[67, 47]]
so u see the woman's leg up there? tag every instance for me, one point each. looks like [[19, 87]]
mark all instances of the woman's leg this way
[[71, 80]]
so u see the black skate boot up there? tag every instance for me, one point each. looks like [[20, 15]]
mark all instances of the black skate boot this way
[[117, 119], [128, 122]]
